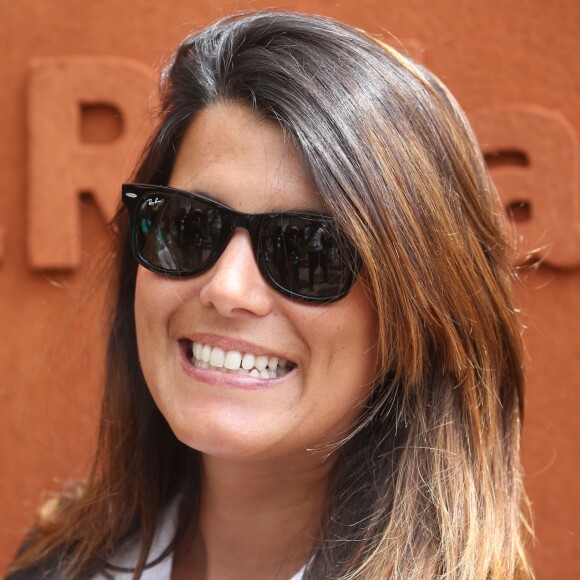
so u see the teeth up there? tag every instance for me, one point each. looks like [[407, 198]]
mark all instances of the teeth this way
[[235, 362], [261, 362], [248, 361], [217, 357], [233, 359]]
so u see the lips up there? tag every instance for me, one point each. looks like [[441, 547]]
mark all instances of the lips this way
[[238, 361]]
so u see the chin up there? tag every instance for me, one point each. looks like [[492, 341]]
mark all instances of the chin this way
[[225, 437]]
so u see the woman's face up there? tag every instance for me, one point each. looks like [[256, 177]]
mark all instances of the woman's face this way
[[247, 164]]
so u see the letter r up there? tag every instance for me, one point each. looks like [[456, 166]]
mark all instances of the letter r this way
[[61, 165]]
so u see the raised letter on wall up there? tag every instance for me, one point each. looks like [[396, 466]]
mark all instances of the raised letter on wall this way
[[71, 152], [533, 157]]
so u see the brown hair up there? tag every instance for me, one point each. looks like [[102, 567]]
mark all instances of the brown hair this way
[[428, 483]]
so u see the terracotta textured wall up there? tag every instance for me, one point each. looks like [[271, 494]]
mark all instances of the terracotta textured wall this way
[[76, 79]]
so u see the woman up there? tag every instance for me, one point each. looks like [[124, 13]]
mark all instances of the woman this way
[[358, 417]]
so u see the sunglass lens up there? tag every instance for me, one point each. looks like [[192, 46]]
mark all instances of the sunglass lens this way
[[305, 257], [177, 234]]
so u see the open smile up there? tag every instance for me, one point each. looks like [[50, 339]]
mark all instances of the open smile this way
[[236, 362]]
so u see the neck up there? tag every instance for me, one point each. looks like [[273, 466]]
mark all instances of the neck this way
[[256, 519]]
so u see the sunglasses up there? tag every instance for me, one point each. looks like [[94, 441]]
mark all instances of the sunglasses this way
[[178, 233]]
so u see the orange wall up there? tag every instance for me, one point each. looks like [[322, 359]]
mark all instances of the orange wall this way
[[513, 66]]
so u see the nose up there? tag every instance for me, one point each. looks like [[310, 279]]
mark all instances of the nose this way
[[234, 285]]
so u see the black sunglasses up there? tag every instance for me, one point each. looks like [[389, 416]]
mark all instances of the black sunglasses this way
[[179, 234]]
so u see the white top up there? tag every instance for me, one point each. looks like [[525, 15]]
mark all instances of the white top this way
[[161, 571]]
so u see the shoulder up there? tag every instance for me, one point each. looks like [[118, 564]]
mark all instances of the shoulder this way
[[125, 558]]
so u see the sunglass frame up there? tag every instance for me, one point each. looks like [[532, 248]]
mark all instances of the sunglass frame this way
[[133, 193]]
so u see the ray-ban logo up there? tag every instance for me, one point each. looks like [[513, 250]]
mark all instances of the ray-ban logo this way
[[153, 201]]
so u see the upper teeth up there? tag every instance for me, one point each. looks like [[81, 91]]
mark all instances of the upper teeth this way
[[235, 361]]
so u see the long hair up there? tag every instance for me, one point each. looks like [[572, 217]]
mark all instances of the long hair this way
[[428, 482]]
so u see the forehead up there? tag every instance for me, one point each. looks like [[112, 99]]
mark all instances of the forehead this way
[[243, 161]]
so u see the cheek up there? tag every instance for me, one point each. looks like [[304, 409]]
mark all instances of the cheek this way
[[145, 323], [352, 336], [156, 298], [343, 356], [145, 311], [154, 305]]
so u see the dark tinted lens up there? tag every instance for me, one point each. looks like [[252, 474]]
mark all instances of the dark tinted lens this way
[[176, 233], [306, 257]]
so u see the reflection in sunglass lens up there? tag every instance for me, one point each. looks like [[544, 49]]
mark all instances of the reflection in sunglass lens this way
[[303, 256], [177, 233]]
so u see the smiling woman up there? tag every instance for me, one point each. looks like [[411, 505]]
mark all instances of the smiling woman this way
[[246, 162], [314, 367]]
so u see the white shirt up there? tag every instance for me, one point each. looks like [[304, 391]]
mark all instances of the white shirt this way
[[163, 536]]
